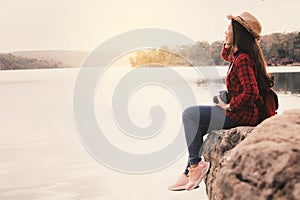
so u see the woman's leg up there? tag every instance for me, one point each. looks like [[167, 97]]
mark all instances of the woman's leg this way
[[190, 119], [198, 121]]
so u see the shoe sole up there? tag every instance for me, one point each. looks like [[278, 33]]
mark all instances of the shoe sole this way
[[180, 189], [201, 177], [176, 189]]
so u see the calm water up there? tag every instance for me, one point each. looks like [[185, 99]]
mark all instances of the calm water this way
[[41, 155]]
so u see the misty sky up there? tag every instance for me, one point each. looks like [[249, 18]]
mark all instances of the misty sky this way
[[85, 24]]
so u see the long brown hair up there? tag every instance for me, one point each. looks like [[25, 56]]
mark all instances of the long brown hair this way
[[246, 43]]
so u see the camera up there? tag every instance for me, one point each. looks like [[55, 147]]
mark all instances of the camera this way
[[223, 96]]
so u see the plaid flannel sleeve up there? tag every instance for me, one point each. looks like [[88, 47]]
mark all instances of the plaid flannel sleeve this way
[[225, 53]]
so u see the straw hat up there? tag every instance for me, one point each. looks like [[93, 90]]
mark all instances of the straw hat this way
[[249, 22]]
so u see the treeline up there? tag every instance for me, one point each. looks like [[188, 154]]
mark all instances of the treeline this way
[[158, 57], [278, 49], [281, 48], [11, 62]]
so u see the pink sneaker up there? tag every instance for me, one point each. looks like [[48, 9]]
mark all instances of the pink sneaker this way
[[180, 184], [197, 174]]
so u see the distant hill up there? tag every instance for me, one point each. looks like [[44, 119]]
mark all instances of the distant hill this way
[[67, 57], [12, 62], [45, 59], [72, 58]]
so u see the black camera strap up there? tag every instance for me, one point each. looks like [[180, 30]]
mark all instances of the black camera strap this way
[[232, 62]]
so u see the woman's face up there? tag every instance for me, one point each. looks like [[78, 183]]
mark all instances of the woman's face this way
[[229, 35]]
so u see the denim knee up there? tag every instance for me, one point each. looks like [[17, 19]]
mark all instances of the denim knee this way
[[191, 113]]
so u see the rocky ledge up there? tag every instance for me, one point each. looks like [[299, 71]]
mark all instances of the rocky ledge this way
[[255, 163]]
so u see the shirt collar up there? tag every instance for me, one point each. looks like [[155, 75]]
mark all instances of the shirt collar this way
[[237, 52]]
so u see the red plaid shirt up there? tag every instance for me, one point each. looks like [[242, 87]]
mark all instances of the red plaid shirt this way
[[242, 88]]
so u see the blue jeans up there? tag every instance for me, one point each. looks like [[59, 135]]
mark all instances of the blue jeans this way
[[197, 122]]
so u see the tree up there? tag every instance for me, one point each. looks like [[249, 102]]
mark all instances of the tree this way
[[296, 55]]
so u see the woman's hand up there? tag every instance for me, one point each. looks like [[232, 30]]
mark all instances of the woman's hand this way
[[228, 46], [223, 105]]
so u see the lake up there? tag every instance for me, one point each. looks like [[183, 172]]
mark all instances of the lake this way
[[45, 153]]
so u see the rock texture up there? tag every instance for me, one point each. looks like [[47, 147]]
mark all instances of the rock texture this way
[[255, 163], [216, 149]]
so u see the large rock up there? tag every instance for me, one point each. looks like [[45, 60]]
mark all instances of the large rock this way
[[216, 149], [261, 165]]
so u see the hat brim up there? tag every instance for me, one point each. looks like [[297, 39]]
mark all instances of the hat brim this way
[[241, 21]]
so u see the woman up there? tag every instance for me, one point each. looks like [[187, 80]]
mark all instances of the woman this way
[[247, 68]]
